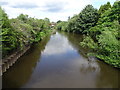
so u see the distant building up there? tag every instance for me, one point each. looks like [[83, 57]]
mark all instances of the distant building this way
[[52, 24]]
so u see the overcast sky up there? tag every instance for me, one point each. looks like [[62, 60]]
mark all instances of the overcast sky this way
[[53, 9]]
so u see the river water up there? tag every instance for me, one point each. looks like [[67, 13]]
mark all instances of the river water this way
[[59, 62]]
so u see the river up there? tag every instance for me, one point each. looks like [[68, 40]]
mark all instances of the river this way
[[59, 62]]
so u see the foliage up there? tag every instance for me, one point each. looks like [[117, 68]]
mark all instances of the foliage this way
[[101, 29], [23, 17], [86, 19], [107, 48], [62, 25], [59, 21], [104, 8], [9, 37], [72, 24], [21, 31], [103, 38], [111, 14]]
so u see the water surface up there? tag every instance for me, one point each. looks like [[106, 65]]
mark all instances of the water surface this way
[[59, 62]]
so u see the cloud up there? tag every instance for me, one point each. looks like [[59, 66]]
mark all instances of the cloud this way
[[25, 5], [61, 47], [3, 3], [55, 6], [53, 9]]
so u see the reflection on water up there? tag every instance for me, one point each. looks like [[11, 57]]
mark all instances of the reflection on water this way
[[21, 71], [59, 62], [58, 45], [89, 66]]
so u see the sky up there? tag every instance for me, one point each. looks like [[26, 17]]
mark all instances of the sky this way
[[53, 9]]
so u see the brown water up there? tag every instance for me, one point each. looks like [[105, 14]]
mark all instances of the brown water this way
[[59, 62]]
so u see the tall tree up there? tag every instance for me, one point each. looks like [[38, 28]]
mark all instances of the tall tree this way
[[86, 19], [9, 40], [104, 7]]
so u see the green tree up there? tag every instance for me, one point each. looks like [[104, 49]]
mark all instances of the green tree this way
[[111, 14], [72, 24], [59, 21], [61, 26], [21, 31], [86, 19], [9, 40], [104, 8], [23, 17], [103, 39]]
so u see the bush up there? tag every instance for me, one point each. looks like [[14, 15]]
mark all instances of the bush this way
[[86, 19], [103, 39]]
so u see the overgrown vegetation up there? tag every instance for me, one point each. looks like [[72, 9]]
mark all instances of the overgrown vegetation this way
[[101, 29], [21, 31], [86, 19]]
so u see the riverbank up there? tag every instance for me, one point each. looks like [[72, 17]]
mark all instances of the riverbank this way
[[10, 60], [7, 62], [100, 29], [55, 62]]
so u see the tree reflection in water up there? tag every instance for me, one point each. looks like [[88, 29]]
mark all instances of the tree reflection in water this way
[[25, 65], [105, 75]]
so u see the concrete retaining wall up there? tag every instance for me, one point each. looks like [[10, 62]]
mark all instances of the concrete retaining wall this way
[[8, 62]]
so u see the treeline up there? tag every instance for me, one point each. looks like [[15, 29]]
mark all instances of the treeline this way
[[101, 29], [19, 32]]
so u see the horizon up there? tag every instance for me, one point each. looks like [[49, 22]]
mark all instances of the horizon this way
[[48, 9]]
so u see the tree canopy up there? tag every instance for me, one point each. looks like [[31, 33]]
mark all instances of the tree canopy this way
[[101, 29], [21, 31]]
